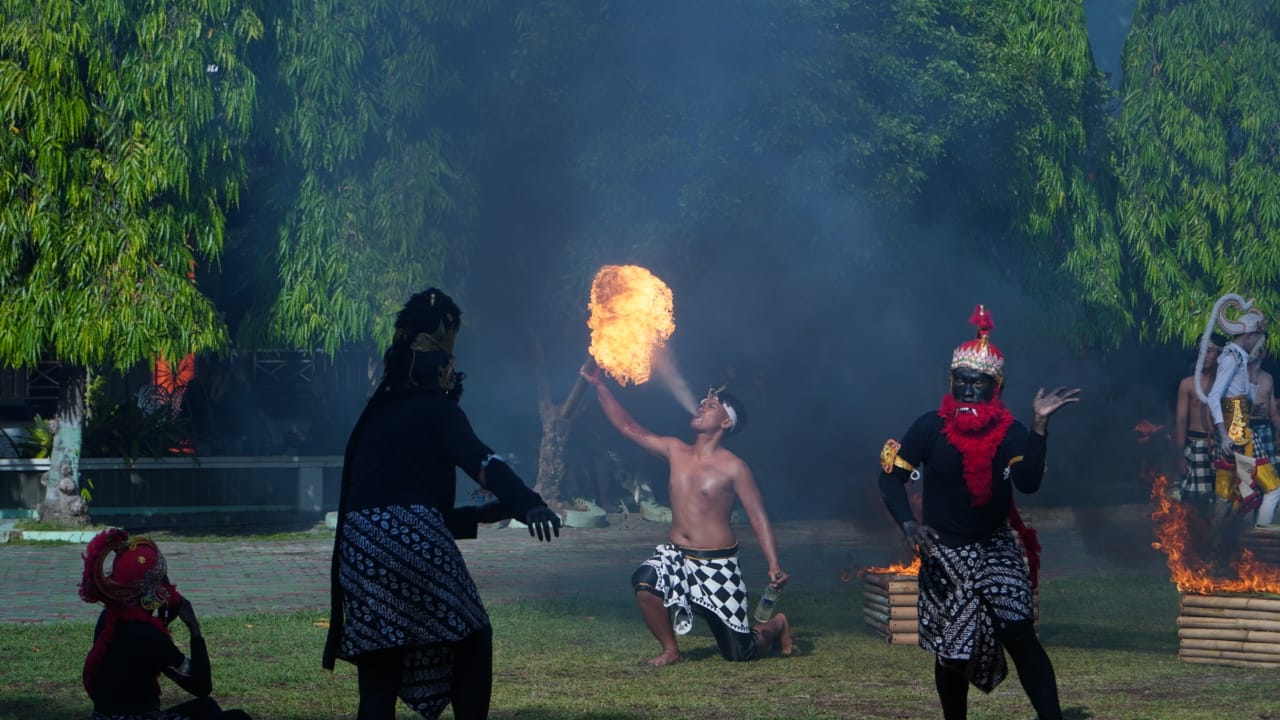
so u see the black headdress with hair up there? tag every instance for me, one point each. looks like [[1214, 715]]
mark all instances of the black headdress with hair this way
[[420, 350]]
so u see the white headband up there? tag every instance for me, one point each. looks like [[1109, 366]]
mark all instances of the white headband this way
[[714, 394]]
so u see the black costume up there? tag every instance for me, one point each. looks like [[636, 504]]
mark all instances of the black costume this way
[[975, 585], [404, 608], [978, 576], [132, 646], [125, 688]]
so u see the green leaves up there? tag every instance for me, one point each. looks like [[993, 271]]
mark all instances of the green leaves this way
[[1200, 173], [120, 163]]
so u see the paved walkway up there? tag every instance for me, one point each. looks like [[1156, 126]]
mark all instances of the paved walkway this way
[[38, 583]]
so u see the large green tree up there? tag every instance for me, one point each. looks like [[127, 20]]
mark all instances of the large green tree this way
[[1199, 148], [360, 190], [123, 127]]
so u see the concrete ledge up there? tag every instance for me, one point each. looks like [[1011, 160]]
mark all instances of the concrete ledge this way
[[71, 536]]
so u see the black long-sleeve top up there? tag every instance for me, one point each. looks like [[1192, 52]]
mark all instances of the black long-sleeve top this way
[[947, 504], [125, 681], [404, 453]]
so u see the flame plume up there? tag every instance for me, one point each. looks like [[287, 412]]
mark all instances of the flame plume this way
[[631, 316], [912, 568], [1187, 570]]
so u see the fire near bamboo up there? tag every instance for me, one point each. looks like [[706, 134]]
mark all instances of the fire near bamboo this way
[[632, 315], [1224, 618]]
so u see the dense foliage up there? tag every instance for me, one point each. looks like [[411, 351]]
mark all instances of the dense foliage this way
[[122, 153], [1199, 143]]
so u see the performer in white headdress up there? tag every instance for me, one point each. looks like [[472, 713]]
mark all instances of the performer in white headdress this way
[[1240, 477]]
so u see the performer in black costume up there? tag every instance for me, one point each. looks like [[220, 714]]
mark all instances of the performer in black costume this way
[[404, 609], [975, 584], [132, 646]]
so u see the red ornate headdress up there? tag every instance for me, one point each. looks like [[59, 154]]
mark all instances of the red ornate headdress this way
[[139, 575], [136, 587], [980, 354]]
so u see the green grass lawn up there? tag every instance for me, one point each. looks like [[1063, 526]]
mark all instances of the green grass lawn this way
[[1113, 642]]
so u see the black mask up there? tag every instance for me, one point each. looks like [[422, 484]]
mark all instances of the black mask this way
[[971, 386]]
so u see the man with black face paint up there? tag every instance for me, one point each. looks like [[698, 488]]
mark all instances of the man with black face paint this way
[[975, 582]]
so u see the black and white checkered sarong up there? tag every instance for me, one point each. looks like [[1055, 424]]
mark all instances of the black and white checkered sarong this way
[[709, 579], [962, 592], [1264, 440], [1198, 482]]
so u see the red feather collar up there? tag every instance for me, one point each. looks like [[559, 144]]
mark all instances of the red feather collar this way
[[976, 430]]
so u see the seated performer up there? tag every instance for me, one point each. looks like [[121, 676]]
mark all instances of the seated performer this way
[[404, 609], [698, 571], [975, 584], [1242, 476], [131, 643]]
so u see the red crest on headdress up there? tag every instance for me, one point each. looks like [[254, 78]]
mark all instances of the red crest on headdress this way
[[980, 354]]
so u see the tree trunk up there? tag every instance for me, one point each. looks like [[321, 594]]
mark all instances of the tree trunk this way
[[63, 503], [551, 466], [557, 421]]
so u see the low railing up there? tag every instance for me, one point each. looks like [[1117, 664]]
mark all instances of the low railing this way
[[298, 486]]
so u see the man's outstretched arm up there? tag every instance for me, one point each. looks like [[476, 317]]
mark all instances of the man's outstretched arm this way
[[622, 420], [744, 486]]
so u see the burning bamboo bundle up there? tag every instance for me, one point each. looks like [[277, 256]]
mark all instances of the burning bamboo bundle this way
[[1232, 621], [1229, 629], [1264, 544], [889, 606]]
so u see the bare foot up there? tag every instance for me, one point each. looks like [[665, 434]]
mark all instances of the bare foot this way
[[668, 657], [783, 643]]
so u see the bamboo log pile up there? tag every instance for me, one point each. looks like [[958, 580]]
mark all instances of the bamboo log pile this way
[[889, 607], [1229, 629], [1264, 544]]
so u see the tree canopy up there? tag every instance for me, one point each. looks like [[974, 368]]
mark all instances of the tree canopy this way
[[1199, 156], [122, 152], [363, 194]]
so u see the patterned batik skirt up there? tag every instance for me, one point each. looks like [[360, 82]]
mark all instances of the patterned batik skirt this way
[[405, 585], [710, 579], [964, 591]]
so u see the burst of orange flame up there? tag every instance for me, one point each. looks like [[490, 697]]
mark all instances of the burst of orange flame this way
[[1145, 429], [631, 315], [1187, 570], [912, 568]]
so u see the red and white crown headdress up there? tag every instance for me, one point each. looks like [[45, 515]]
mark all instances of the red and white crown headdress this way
[[980, 354]]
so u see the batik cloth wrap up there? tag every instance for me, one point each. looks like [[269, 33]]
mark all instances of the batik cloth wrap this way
[[715, 583], [963, 591], [1198, 482], [406, 586]]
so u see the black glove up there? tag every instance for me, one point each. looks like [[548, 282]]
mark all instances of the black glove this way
[[919, 536], [544, 520]]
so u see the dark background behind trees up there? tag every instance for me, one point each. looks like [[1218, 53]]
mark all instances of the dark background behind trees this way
[[828, 187]]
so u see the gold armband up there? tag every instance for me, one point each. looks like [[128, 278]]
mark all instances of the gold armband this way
[[1016, 459], [889, 457]]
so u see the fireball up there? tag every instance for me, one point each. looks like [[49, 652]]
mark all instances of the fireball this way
[[632, 315]]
